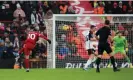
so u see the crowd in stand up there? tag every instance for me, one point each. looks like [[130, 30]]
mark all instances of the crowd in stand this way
[[113, 7], [16, 20], [9, 10]]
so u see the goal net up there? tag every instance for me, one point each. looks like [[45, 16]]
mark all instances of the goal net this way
[[69, 33]]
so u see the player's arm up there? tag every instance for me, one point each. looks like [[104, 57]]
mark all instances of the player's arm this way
[[44, 37], [93, 39], [113, 40], [110, 36], [97, 34], [126, 43]]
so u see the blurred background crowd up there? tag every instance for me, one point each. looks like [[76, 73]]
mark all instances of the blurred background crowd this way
[[13, 9]]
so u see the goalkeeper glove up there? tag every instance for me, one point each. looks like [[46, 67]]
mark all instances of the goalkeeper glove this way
[[49, 41]]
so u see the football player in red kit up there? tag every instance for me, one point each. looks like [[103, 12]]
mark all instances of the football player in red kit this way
[[29, 45]]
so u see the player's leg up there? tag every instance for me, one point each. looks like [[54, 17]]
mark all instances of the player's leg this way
[[109, 51], [21, 50], [123, 52], [98, 60], [113, 53], [18, 57], [91, 58], [26, 60]]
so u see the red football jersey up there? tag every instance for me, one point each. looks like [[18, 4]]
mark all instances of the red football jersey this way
[[33, 37]]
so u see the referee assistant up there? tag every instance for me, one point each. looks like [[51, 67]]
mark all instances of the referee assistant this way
[[103, 34]]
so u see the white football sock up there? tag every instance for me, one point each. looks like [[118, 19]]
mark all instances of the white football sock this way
[[94, 59], [88, 63], [27, 69]]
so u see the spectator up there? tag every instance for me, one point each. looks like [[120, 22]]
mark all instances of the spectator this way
[[76, 40], [5, 35], [2, 28], [8, 49], [115, 9], [120, 7], [15, 51], [99, 9], [19, 12], [126, 33], [13, 5], [95, 4], [73, 49], [41, 16], [16, 43], [24, 23], [64, 50], [63, 37], [34, 18], [7, 42], [130, 7], [9, 33], [1, 47], [45, 7], [124, 9], [54, 6], [63, 8], [108, 7]]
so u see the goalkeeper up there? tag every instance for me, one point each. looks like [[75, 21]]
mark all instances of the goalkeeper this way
[[120, 45]]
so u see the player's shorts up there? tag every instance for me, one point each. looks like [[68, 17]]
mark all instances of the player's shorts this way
[[28, 47], [89, 45], [122, 51], [91, 51], [104, 47]]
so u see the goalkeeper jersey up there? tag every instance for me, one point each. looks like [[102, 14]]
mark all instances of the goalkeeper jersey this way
[[119, 42]]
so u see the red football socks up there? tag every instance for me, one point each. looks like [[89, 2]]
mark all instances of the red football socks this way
[[26, 62]]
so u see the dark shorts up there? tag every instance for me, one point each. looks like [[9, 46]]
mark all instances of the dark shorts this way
[[104, 47], [91, 51]]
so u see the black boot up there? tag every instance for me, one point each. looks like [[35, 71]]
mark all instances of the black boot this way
[[98, 70], [116, 69], [98, 63]]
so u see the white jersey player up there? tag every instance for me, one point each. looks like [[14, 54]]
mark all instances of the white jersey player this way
[[91, 46]]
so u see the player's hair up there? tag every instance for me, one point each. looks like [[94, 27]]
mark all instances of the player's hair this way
[[107, 22], [34, 28], [92, 26], [122, 32], [31, 28]]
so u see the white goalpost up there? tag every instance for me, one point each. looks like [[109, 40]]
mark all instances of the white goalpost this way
[[68, 31]]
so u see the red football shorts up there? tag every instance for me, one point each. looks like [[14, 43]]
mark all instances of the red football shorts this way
[[28, 47]]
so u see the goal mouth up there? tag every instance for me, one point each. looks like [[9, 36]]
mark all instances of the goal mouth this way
[[69, 32]]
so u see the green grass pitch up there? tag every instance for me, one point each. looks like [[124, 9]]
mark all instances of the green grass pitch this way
[[65, 74]]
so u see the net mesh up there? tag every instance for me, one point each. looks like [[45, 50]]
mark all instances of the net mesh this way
[[70, 39]]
